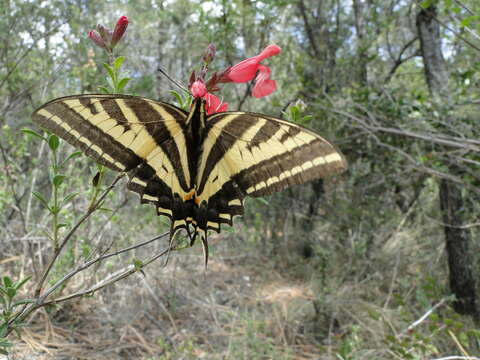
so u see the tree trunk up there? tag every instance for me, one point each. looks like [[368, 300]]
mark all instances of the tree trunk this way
[[462, 282], [360, 7]]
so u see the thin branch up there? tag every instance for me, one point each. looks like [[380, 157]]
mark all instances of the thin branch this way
[[72, 231], [424, 316], [116, 276], [308, 28], [398, 60], [86, 265], [119, 275], [458, 358], [465, 7], [467, 144]]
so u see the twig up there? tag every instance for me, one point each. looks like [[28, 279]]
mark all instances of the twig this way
[[71, 232], [425, 316], [91, 262], [114, 277], [454, 357], [118, 275]]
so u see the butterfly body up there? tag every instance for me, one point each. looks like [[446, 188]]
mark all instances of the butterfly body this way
[[195, 168]]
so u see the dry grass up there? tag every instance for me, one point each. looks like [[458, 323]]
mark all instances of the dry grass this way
[[251, 305]]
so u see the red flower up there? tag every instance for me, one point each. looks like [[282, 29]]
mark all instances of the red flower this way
[[263, 84], [120, 28], [246, 70], [212, 103]]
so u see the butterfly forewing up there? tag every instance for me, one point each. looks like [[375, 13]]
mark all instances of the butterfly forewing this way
[[126, 133], [261, 155]]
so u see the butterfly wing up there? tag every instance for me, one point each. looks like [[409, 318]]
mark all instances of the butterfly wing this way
[[139, 136], [256, 155]]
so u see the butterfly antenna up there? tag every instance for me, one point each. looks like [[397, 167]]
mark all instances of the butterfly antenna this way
[[164, 73]]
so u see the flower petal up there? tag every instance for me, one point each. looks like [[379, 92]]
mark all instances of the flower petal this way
[[270, 50], [263, 85], [213, 104], [244, 71]]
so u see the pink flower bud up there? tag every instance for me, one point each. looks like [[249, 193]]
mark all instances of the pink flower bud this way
[[105, 33], [97, 38], [198, 89], [209, 54], [120, 28]]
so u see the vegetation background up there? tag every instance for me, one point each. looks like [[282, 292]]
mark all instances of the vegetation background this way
[[378, 263]]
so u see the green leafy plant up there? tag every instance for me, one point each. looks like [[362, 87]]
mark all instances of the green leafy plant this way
[[9, 291], [116, 81]]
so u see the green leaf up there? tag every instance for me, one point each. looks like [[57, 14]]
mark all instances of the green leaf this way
[[58, 180], [23, 302], [2, 351], [122, 83], [467, 21], [177, 96], [53, 142], [11, 292], [33, 133], [294, 113], [69, 197], [104, 89], [8, 282], [138, 264], [41, 198], [59, 226], [425, 4], [72, 156], [110, 71], [3, 330], [117, 64], [263, 201], [21, 283]]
